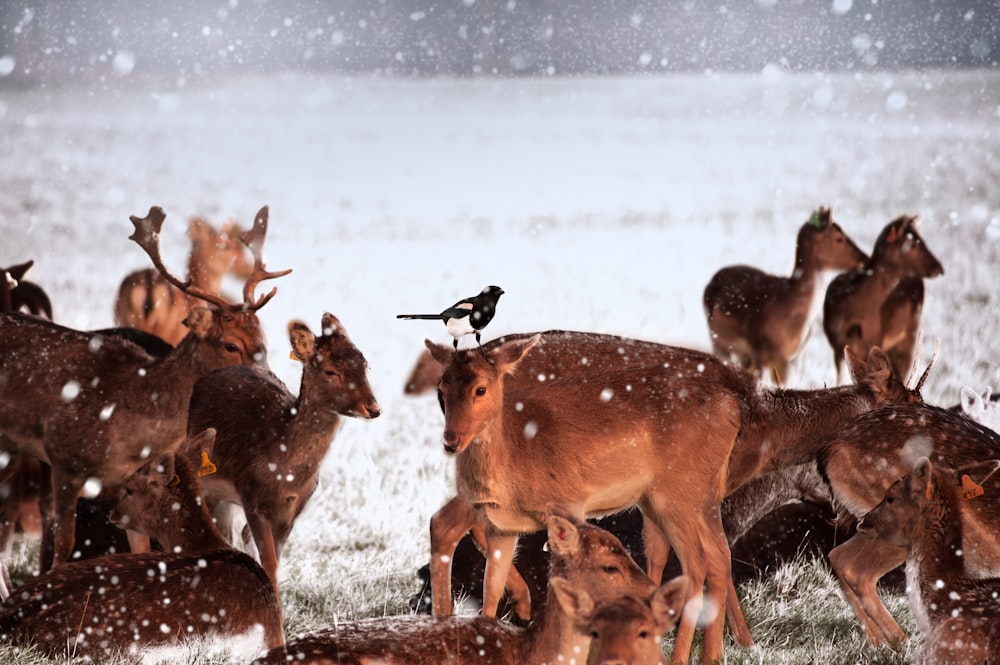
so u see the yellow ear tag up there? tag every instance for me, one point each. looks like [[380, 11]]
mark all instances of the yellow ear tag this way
[[971, 489], [292, 356], [175, 481], [207, 467]]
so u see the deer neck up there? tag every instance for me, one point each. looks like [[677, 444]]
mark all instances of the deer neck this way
[[782, 428], [552, 637], [880, 280], [804, 273], [478, 463], [187, 525], [936, 553]]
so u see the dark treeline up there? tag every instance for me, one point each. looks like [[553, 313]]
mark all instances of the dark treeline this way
[[81, 38]]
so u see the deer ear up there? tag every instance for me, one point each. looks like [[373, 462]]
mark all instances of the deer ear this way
[[575, 602], [201, 321], [302, 339], [441, 353], [332, 326], [18, 271], [668, 601], [972, 402], [205, 440], [163, 465], [564, 539], [922, 480], [510, 354], [876, 372]]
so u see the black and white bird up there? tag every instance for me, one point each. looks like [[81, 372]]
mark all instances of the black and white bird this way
[[467, 316]]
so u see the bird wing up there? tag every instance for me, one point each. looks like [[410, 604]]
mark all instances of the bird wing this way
[[459, 310]]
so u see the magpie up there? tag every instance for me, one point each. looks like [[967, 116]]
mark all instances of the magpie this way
[[469, 315]]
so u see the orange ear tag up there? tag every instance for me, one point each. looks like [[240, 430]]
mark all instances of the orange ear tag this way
[[970, 489], [292, 356], [927, 492], [207, 467]]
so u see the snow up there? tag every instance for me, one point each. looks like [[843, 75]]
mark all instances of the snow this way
[[601, 204]]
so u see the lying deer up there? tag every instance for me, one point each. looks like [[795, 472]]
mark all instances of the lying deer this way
[[867, 455], [879, 304], [759, 319], [96, 407], [17, 294], [270, 443], [121, 603], [656, 413], [583, 555], [923, 514], [148, 301], [626, 631], [984, 408]]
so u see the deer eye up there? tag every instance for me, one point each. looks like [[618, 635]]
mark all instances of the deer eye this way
[[230, 347], [643, 634], [331, 373], [594, 635], [480, 391], [612, 570]]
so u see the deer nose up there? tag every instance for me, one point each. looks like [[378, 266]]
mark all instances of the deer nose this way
[[373, 410], [450, 440]]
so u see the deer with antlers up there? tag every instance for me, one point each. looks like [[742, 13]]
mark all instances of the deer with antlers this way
[[148, 301], [864, 457], [96, 407], [879, 304], [759, 319], [612, 436], [924, 514], [626, 631], [270, 443], [583, 555], [120, 603]]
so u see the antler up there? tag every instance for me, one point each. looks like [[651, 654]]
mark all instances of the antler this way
[[147, 236], [916, 361], [254, 240]]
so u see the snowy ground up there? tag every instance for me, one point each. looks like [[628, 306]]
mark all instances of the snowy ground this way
[[600, 204]]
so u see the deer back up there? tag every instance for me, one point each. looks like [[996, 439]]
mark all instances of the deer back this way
[[587, 556]]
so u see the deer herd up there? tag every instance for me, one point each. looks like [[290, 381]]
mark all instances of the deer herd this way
[[175, 415]]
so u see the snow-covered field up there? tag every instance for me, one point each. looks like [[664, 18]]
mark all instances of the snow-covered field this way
[[600, 204]]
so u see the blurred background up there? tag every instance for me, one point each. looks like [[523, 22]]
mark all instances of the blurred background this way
[[191, 39]]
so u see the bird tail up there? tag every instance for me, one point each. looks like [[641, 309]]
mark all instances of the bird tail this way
[[419, 316]]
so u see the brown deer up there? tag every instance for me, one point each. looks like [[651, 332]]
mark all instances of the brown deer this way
[[879, 304], [424, 376], [116, 604], [763, 418], [626, 631], [96, 407], [923, 514], [582, 554], [148, 301], [17, 294], [270, 443], [869, 453], [758, 318]]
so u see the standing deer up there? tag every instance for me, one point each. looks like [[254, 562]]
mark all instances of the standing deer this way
[[923, 514], [17, 294], [120, 603], [626, 631], [96, 407], [510, 442], [582, 555], [759, 319], [148, 301], [270, 443], [879, 304], [868, 454]]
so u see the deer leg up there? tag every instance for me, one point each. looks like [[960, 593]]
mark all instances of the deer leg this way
[[263, 535], [517, 589], [858, 564], [65, 491], [452, 521], [499, 561], [657, 549], [703, 551]]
